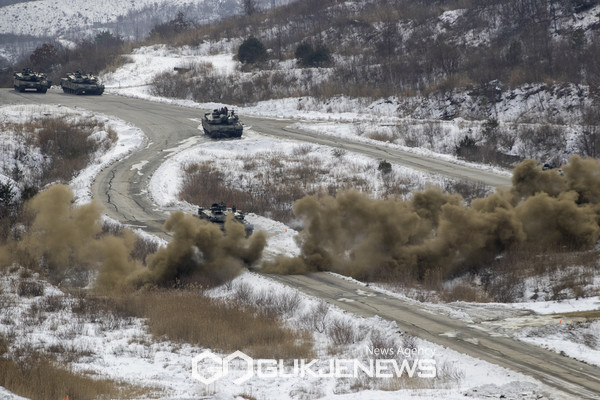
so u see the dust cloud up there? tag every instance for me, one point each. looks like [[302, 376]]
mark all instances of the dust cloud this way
[[433, 233], [201, 253], [437, 233], [62, 238]]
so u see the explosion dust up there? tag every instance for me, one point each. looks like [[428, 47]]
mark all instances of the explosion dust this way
[[367, 238], [201, 252], [62, 238]]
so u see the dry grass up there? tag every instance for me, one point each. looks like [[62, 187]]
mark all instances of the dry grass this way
[[571, 274], [183, 315], [119, 60], [287, 178], [69, 146], [382, 136], [190, 317], [66, 145], [38, 377], [464, 292], [592, 315]]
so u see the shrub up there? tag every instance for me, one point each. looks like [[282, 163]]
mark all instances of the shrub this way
[[309, 57], [341, 332], [30, 288], [466, 147], [170, 85], [384, 167], [252, 51], [317, 318], [171, 28], [320, 57], [7, 196], [303, 51]]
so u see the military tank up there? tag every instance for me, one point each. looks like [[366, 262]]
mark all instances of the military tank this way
[[222, 124], [28, 79], [81, 83], [218, 212]]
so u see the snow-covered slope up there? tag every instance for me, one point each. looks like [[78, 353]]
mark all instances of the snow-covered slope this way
[[56, 17]]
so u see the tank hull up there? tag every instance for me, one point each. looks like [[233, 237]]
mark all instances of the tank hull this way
[[225, 125]]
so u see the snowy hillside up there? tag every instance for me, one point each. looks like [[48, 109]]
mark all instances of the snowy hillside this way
[[25, 26], [434, 124], [55, 18]]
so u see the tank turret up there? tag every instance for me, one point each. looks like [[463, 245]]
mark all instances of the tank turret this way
[[28, 79], [222, 123]]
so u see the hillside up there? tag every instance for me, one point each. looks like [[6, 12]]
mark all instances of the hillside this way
[[24, 25], [390, 47], [522, 77]]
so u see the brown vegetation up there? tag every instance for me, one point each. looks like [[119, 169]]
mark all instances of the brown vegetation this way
[[273, 193], [39, 378], [187, 316], [67, 147]]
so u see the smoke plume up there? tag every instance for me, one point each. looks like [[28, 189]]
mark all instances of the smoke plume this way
[[63, 238], [201, 252], [436, 232]]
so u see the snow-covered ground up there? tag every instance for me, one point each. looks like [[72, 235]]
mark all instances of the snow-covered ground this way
[[122, 349]]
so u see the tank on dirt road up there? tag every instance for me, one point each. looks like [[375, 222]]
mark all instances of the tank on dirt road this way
[[28, 79], [222, 124], [81, 83], [218, 212]]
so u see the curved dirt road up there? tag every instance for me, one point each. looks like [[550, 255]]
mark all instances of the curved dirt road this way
[[122, 189]]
